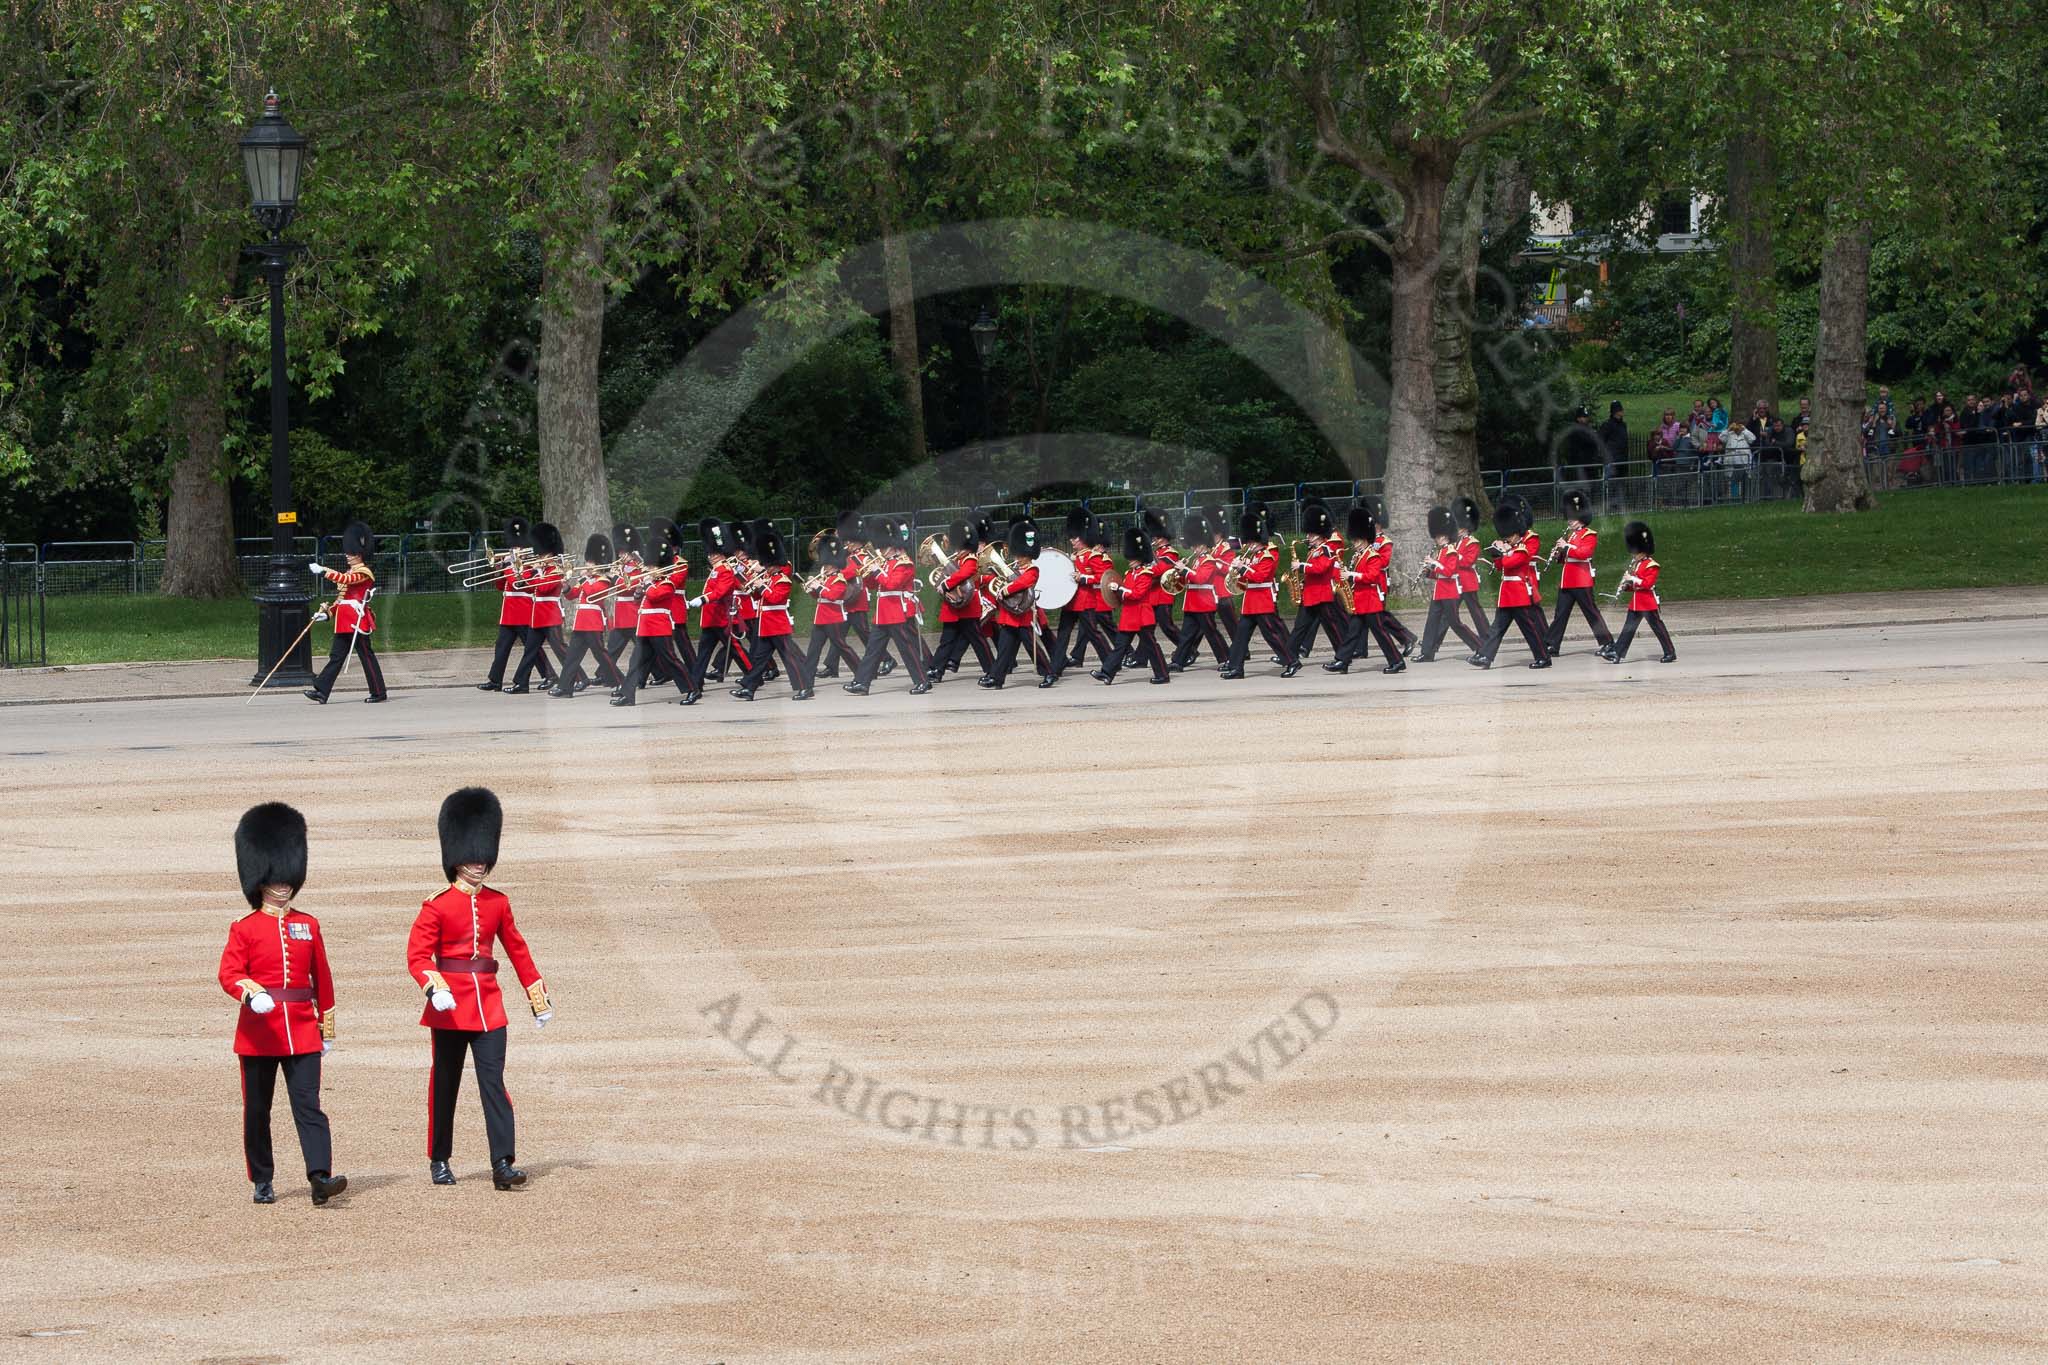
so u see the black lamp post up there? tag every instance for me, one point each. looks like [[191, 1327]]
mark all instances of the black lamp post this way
[[272, 153]]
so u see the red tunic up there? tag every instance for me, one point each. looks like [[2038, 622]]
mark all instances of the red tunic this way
[[459, 926], [278, 953], [896, 593], [1089, 568], [745, 606], [1024, 582], [1578, 558], [1369, 581], [1261, 581], [626, 606], [1516, 570], [1318, 577], [964, 570], [716, 612], [658, 605], [546, 587], [775, 596], [516, 609], [1134, 612], [831, 600], [589, 614], [1534, 545], [856, 586], [1199, 597], [1468, 563], [352, 614], [1444, 571], [1644, 597], [1167, 558]]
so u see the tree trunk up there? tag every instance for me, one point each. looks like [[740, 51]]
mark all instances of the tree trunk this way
[[1457, 386], [1833, 472], [573, 490], [1416, 477], [1331, 374], [199, 523], [903, 348], [1752, 269]]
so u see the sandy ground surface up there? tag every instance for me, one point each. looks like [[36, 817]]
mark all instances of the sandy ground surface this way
[[1639, 1011]]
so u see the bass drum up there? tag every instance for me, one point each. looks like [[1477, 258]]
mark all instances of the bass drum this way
[[1056, 582]]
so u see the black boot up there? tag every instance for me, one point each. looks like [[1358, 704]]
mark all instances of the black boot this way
[[264, 1194], [313, 694], [1291, 669], [326, 1186], [1395, 667], [516, 690], [506, 1176], [1337, 666], [440, 1172], [487, 687]]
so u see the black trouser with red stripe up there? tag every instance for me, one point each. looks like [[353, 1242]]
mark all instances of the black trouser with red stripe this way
[[1195, 627], [337, 655], [302, 1084], [655, 654], [508, 636], [1443, 618], [1367, 627], [444, 1083], [1528, 618], [593, 642], [1162, 616], [1628, 632], [828, 635], [538, 639], [955, 639], [1582, 598], [1010, 639], [1141, 644], [1071, 654], [1469, 598], [1268, 625], [1325, 615], [909, 644], [714, 640], [765, 653]]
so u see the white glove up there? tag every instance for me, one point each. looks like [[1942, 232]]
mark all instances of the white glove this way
[[262, 1003], [325, 1047], [442, 1000], [319, 616], [541, 1020], [317, 569], [696, 602]]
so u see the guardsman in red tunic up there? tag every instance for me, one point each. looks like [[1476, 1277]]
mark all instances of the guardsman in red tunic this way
[[1515, 554], [1468, 563], [1442, 571], [959, 608], [544, 631], [1136, 625], [895, 623], [1575, 587], [515, 609], [625, 605], [746, 601], [1639, 580], [1082, 615], [1367, 575], [1319, 584], [1165, 559], [718, 627], [778, 632], [1258, 570], [853, 539], [353, 620], [655, 652], [1202, 579], [275, 966], [586, 590], [449, 955], [828, 640], [1017, 609]]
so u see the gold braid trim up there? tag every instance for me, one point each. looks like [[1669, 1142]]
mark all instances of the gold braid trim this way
[[249, 988], [327, 1026], [436, 982], [537, 996]]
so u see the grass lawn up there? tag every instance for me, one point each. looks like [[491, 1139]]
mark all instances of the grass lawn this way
[[1938, 538]]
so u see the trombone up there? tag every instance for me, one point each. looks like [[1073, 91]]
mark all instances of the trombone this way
[[479, 577]]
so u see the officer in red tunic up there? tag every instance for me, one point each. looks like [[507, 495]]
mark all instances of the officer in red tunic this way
[[449, 954], [1136, 625], [275, 966], [544, 632], [1468, 563], [1203, 569], [1639, 580], [1515, 554], [1017, 609], [655, 638], [1258, 570], [515, 609], [353, 621], [1443, 571], [959, 607], [1319, 584], [1575, 587], [586, 590], [895, 624], [1367, 575], [778, 632], [828, 643]]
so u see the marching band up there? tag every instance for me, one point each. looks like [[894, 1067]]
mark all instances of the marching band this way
[[998, 593]]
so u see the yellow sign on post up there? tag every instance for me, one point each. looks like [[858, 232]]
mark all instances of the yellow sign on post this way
[[287, 518]]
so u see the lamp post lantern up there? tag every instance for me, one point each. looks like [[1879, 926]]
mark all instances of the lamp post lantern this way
[[273, 152]]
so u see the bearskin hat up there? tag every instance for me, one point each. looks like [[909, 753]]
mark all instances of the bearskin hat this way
[[518, 535], [1507, 520], [1359, 523], [1468, 513], [848, 526], [597, 549], [1098, 534], [270, 850], [1441, 523], [626, 540], [1024, 538], [471, 820], [963, 537], [770, 547], [1076, 527], [1137, 549], [1218, 524], [1153, 523], [985, 530], [1194, 529], [547, 538], [831, 550], [898, 533], [1316, 519], [664, 540], [1578, 507], [711, 534], [1256, 524], [358, 540], [1636, 535]]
